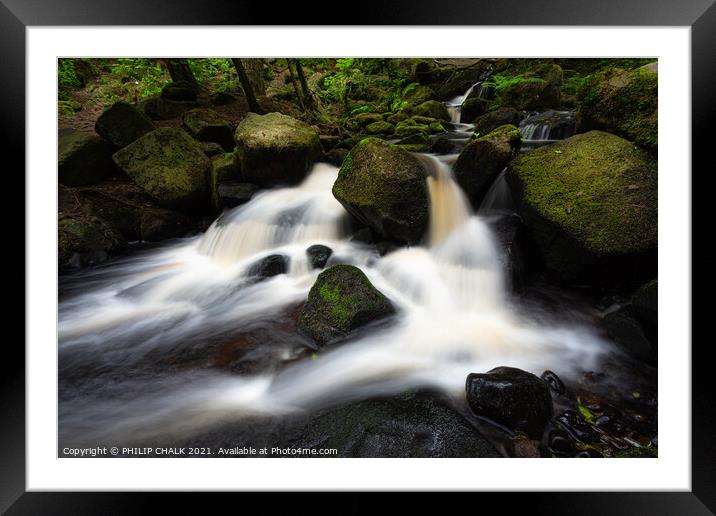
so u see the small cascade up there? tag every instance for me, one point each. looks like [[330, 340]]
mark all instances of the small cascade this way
[[547, 127], [498, 198], [454, 105]]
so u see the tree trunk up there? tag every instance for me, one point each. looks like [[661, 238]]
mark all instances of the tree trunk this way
[[179, 70], [295, 85], [246, 85], [307, 98], [255, 71]]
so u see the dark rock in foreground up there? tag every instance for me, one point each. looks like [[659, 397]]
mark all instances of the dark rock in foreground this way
[[511, 397], [341, 300], [625, 329], [271, 265], [318, 255]]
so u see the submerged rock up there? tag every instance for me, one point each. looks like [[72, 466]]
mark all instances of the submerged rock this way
[[622, 102], [589, 203], [122, 123], [318, 255], [271, 265], [275, 149], [206, 125], [82, 158], [482, 160], [341, 300], [384, 187], [170, 166], [511, 397]]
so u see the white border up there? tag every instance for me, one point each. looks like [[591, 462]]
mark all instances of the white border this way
[[672, 470]]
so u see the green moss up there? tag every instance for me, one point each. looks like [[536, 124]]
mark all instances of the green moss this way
[[644, 452], [379, 127], [594, 185], [432, 109]]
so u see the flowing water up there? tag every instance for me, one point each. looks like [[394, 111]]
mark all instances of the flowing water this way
[[123, 325]]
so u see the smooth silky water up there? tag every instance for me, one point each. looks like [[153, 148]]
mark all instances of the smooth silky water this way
[[133, 315]]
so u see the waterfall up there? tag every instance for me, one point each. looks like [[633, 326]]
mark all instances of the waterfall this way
[[548, 126], [172, 305], [498, 197], [454, 105]]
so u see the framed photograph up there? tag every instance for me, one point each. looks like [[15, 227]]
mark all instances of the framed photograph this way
[[433, 250]]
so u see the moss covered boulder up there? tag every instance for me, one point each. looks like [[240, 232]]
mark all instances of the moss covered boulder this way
[[622, 102], [590, 204], [380, 127], [121, 124], [492, 120], [206, 125], [170, 166], [384, 187], [275, 149], [432, 109], [83, 240], [539, 89], [472, 108], [484, 158], [83, 158], [341, 300], [410, 126]]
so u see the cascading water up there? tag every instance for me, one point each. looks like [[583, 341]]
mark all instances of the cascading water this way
[[547, 127], [454, 317]]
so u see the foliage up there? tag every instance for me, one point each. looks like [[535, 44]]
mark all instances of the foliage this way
[[66, 76], [503, 82], [215, 74]]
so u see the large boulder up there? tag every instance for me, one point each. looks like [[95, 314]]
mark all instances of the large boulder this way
[[206, 125], [533, 90], [590, 204], [160, 108], [121, 124], [432, 109], [472, 108], [511, 397], [341, 300], [384, 187], [170, 166], [503, 116], [82, 158], [622, 102], [275, 149], [83, 240], [481, 161]]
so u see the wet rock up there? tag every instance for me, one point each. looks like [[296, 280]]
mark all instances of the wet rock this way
[[554, 382], [206, 125], [511, 397], [170, 166], [384, 187], [432, 109], [645, 303], [234, 193], [482, 160], [275, 149], [83, 158], [318, 255], [271, 265], [336, 156], [589, 203], [490, 121], [445, 145], [624, 328], [122, 123], [83, 240], [341, 300], [472, 108], [561, 123]]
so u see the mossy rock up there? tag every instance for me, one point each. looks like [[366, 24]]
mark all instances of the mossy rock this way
[[622, 102], [158, 108], [590, 204], [423, 120], [418, 94], [492, 120], [396, 118], [341, 300], [224, 167], [436, 127], [364, 119], [275, 149], [384, 187], [206, 125], [481, 161], [86, 241], [380, 127], [410, 126], [536, 90], [170, 166], [472, 108], [83, 158], [121, 124], [432, 109]]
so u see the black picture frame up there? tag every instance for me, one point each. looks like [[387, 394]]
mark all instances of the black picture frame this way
[[700, 15]]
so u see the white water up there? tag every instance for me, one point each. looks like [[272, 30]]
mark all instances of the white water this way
[[454, 105], [454, 316]]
